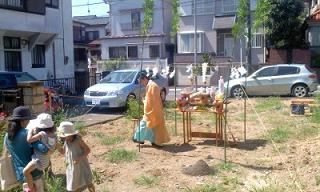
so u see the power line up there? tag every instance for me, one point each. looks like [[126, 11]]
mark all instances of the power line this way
[[82, 5]]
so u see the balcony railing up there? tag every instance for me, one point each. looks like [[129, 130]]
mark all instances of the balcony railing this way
[[13, 4]]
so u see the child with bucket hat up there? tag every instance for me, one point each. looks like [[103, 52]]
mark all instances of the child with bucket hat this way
[[43, 129], [78, 172]]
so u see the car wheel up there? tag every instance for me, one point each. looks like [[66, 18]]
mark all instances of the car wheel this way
[[163, 95], [237, 92], [300, 90]]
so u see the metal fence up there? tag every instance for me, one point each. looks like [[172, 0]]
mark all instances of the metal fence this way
[[72, 86]]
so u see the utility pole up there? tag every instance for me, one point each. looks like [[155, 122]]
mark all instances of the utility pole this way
[[249, 37], [195, 41]]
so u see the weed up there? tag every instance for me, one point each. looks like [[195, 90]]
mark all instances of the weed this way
[[278, 134], [54, 183], [80, 127], [224, 166], [59, 116], [97, 177], [146, 181], [207, 187], [133, 108], [109, 140], [118, 155], [3, 130], [268, 188], [269, 103]]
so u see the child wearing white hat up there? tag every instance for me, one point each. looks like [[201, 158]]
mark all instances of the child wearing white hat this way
[[78, 170], [42, 128]]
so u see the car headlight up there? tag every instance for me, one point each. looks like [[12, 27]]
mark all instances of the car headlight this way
[[87, 92]]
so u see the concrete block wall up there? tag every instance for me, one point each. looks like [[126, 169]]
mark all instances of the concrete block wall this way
[[33, 96]]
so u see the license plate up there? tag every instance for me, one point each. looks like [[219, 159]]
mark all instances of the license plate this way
[[95, 101]]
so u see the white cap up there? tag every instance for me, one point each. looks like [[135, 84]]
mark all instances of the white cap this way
[[43, 121], [66, 129]]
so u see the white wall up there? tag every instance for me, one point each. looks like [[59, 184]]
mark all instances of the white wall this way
[[119, 8], [49, 24]]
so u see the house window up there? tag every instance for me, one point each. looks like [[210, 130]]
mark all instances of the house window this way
[[92, 35], [117, 52], [229, 6], [132, 51], [186, 43], [225, 43], [12, 60], [154, 51], [11, 42], [38, 56], [203, 7], [52, 3], [257, 40], [135, 20]]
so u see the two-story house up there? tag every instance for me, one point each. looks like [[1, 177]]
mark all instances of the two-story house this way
[[125, 40], [86, 30], [36, 37], [214, 21]]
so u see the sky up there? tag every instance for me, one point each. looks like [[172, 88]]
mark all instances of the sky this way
[[99, 9]]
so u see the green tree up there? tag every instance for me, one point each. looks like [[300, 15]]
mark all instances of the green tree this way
[[285, 24], [283, 21]]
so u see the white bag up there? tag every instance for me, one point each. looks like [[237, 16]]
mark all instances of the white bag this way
[[8, 178]]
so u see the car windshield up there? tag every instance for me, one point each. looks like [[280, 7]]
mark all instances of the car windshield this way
[[119, 77]]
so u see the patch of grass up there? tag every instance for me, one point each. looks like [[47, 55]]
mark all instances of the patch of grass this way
[[207, 187], [224, 166], [278, 134], [316, 115], [146, 181], [54, 183], [109, 140], [269, 103], [307, 131], [269, 188], [170, 113], [317, 178], [230, 181], [97, 177], [118, 155]]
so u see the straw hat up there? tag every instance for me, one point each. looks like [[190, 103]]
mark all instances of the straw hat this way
[[66, 129], [21, 113], [44, 121]]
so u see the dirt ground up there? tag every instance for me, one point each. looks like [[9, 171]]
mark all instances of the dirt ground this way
[[260, 163]]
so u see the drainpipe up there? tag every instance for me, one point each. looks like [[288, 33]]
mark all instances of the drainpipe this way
[[54, 60]]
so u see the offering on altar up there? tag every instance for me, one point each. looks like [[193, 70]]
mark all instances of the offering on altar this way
[[218, 103]]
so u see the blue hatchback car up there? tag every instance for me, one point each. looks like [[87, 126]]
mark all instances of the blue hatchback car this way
[[115, 89]]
